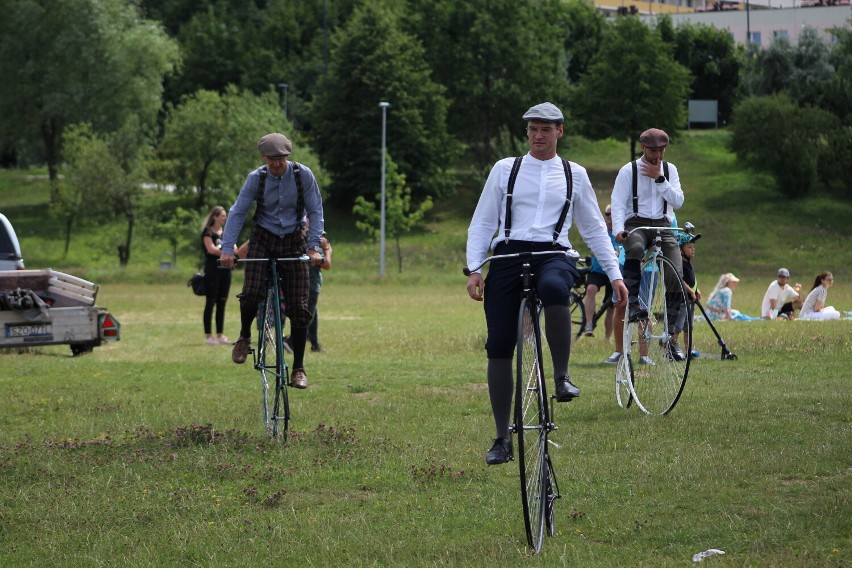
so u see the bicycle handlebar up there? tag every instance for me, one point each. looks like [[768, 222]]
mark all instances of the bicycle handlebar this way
[[654, 229], [302, 258], [570, 253]]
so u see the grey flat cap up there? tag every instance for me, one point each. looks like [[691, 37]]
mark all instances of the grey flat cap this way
[[784, 272], [654, 138], [274, 145], [547, 112]]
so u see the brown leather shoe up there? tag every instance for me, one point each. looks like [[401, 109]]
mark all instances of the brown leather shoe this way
[[240, 351], [299, 380]]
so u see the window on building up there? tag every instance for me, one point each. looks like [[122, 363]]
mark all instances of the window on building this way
[[754, 37], [778, 34]]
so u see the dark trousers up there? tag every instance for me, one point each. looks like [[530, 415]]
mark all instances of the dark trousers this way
[[635, 248], [553, 277]]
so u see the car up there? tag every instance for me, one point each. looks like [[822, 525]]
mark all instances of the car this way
[[10, 248]]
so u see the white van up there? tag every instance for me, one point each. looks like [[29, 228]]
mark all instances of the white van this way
[[10, 249]]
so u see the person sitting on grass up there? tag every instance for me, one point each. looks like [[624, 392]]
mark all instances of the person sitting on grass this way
[[814, 307], [781, 300], [719, 304]]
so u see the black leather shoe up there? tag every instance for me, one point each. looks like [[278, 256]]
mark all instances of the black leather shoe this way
[[500, 452], [674, 352], [565, 390], [636, 313]]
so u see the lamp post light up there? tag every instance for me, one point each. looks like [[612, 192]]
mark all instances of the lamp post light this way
[[284, 87], [384, 106]]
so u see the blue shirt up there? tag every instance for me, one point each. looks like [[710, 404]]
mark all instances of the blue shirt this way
[[278, 215]]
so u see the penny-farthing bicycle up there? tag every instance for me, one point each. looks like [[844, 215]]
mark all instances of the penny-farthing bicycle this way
[[533, 417], [268, 356], [652, 372]]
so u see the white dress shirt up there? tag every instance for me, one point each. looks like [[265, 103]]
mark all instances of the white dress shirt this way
[[537, 202], [651, 195]]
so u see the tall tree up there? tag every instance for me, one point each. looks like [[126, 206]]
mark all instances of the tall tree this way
[[712, 57], [373, 60], [61, 63], [633, 84], [400, 214], [496, 58], [111, 168], [209, 140]]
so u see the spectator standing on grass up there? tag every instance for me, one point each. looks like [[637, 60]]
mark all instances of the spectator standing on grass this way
[[313, 298], [287, 197], [719, 303], [814, 307], [537, 218], [646, 193], [217, 282], [781, 300], [595, 280]]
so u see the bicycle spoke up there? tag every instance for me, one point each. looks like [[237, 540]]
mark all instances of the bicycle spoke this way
[[658, 375], [273, 370], [531, 424]]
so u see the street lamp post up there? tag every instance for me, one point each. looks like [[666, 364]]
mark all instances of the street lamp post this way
[[284, 87], [384, 106]]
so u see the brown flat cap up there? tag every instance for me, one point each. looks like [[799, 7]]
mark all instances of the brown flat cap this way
[[274, 145], [654, 138]]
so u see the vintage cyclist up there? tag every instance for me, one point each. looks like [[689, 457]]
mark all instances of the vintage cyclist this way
[[528, 205], [287, 196], [646, 194]]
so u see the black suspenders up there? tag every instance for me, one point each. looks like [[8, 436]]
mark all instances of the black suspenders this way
[[636, 184], [300, 193], [569, 191]]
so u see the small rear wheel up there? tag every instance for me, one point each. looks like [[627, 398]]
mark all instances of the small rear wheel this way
[[552, 494]]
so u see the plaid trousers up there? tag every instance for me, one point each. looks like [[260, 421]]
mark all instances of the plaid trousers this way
[[294, 276]]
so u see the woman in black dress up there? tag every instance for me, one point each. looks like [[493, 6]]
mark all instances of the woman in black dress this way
[[216, 280]]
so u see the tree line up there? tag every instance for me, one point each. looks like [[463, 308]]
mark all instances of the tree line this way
[[120, 92]]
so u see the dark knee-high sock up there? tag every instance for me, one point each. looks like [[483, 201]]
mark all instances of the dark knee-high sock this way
[[633, 278], [500, 391], [248, 313], [299, 335], [557, 328]]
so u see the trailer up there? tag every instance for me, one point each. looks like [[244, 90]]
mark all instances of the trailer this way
[[48, 307]]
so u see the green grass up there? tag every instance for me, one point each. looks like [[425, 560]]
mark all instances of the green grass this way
[[150, 451]]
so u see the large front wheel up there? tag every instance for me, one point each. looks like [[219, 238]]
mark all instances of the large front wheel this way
[[531, 424], [273, 368], [658, 363]]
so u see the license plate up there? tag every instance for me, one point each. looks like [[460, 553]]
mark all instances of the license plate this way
[[28, 330]]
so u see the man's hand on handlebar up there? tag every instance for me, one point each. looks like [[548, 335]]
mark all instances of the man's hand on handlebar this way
[[475, 286], [227, 260], [621, 237]]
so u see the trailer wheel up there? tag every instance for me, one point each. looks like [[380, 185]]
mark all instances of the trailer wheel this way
[[77, 350]]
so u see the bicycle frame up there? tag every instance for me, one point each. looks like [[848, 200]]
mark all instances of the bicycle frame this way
[[268, 357], [533, 417], [655, 379]]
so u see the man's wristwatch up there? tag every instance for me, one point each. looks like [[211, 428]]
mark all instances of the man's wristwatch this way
[[660, 179], [318, 249]]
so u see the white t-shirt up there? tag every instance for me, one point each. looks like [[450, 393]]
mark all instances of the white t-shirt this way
[[779, 294]]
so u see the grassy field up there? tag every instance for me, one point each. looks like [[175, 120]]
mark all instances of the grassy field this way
[[150, 451]]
